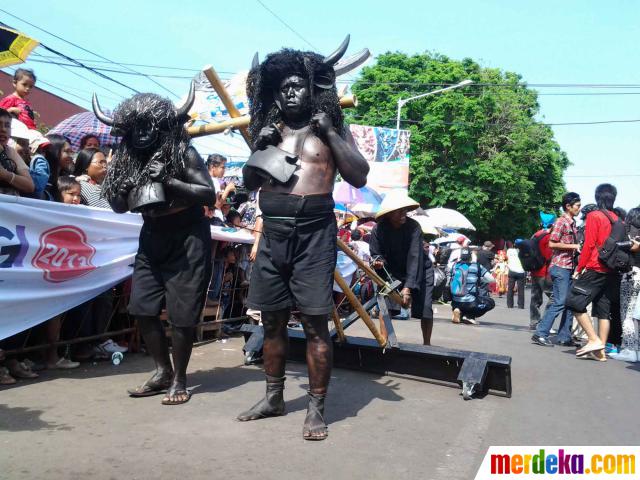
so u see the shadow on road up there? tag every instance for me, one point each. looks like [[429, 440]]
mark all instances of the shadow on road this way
[[21, 419]]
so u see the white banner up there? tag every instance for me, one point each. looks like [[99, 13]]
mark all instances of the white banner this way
[[55, 256]]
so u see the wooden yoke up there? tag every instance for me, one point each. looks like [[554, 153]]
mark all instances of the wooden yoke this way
[[243, 122], [227, 101]]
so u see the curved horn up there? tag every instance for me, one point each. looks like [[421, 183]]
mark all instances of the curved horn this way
[[183, 110], [256, 61], [97, 111], [330, 60], [350, 63]]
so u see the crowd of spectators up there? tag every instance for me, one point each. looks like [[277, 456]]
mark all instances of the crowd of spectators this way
[[47, 167]]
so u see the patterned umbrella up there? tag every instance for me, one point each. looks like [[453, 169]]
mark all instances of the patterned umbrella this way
[[81, 124], [15, 47], [348, 195]]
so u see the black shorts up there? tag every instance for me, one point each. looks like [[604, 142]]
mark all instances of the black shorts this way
[[173, 267], [593, 287], [296, 256]]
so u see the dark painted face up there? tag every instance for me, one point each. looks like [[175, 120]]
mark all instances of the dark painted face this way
[[293, 96], [397, 218], [144, 135]]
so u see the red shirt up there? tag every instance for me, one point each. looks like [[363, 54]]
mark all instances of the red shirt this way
[[597, 229], [546, 252], [26, 113]]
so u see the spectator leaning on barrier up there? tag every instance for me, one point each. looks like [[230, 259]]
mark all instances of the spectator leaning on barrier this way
[[14, 173], [90, 171], [59, 155]]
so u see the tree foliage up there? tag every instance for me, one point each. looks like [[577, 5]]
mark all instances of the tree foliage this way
[[477, 149]]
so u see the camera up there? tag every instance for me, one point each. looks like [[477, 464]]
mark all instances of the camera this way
[[625, 245]]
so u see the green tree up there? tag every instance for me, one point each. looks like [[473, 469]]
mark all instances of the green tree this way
[[477, 149]]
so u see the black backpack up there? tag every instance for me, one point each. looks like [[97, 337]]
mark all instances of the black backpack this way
[[529, 253], [610, 254]]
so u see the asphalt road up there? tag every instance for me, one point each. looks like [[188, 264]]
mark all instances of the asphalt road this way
[[81, 425]]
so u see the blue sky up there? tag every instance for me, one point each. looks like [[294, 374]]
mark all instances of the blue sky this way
[[547, 42]]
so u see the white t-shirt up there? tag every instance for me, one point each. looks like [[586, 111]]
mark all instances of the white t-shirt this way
[[216, 184], [513, 262]]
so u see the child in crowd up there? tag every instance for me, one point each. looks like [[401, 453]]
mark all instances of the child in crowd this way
[[69, 190], [16, 103]]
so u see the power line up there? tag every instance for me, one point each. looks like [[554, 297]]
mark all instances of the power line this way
[[471, 124], [286, 24], [111, 70], [90, 81], [85, 50]]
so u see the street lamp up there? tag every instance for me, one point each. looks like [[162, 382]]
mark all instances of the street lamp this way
[[402, 102]]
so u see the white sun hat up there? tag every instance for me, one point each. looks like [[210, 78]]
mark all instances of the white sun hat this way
[[395, 200]]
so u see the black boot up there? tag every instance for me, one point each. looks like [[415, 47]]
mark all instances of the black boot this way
[[272, 405], [315, 427]]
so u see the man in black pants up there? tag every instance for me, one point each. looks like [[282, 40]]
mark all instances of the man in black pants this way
[[173, 264], [300, 143], [397, 248]]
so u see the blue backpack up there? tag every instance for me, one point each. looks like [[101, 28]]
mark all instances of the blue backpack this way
[[459, 286]]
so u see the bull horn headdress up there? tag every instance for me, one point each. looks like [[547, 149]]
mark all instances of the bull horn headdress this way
[[182, 111], [333, 61], [97, 111]]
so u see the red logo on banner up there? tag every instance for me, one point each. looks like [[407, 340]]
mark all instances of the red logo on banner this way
[[64, 254]]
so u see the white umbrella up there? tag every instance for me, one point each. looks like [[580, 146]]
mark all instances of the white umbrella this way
[[426, 224], [448, 218]]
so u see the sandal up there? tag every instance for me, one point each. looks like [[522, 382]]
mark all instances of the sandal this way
[[5, 378], [173, 393], [315, 428], [20, 369], [150, 388]]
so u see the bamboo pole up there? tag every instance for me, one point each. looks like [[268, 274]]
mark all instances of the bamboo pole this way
[[226, 99], [359, 308], [338, 324], [240, 122], [395, 296]]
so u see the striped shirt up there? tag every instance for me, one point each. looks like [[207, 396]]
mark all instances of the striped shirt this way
[[90, 195]]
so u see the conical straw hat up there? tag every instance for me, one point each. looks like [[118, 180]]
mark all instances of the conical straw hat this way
[[395, 200]]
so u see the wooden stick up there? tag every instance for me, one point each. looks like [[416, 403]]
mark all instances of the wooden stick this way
[[359, 308], [338, 323], [239, 122], [395, 296], [226, 99]]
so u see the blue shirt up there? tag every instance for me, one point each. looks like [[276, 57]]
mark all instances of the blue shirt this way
[[39, 171]]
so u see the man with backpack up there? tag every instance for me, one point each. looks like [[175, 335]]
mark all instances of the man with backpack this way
[[470, 297], [602, 259], [563, 243], [536, 260]]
